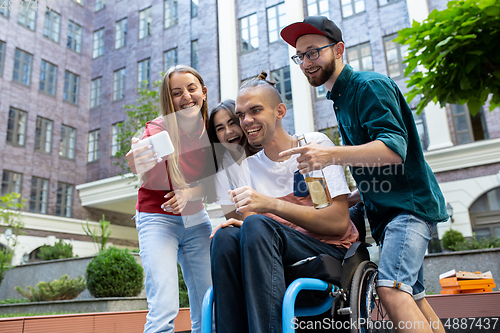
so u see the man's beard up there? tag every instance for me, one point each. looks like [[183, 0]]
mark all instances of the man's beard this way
[[325, 73]]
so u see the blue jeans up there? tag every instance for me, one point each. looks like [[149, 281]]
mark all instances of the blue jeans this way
[[401, 263], [248, 272], [165, 240]]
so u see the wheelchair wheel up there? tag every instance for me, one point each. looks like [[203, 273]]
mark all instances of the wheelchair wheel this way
[[367, 313]]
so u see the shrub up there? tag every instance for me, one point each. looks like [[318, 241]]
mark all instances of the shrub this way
[[62, 289], [114, 273], [451, 238], [183, 292], [476, 244], [60, 250]]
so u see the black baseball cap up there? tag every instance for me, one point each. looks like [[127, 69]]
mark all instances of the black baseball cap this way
[[316, 25]]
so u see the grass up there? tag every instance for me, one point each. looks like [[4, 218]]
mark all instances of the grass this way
[[11, 315], [14, 300]]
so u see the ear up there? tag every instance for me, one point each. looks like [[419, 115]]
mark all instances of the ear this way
[[204, 90], [339, 50], [281, 111]]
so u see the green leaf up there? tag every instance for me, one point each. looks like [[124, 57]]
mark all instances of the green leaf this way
[[444, 42], [474, 106]]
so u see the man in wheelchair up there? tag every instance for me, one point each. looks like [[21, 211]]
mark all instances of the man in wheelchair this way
[[279, 228]]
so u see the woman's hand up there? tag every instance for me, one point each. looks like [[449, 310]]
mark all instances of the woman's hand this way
[[142, 159], [228, 223], [176, 200]]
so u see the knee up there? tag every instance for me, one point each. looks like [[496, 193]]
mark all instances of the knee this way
[[224, 244], [255, 229]]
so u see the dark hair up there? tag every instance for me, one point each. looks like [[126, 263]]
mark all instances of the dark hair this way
[[229, 106], [261, 80]]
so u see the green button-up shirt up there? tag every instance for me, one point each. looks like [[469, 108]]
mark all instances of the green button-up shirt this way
[[369, 106]]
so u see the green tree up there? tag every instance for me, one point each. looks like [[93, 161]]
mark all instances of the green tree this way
[[458, 47], [11, 205], [145, 109]]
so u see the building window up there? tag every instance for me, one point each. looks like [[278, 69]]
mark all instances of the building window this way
[[64, 199], [11, 182], [2, 56], [468, 128], [170, 13], [48, 75], [283, 84], [99, 5], [52, 25], [74, 37], [22, 67], [43, 135], [39, 196], [98, 43], [145, 21], [16, 127], [360, 57], [115, 144], [119, 84], [27, 15], [276, 20], [143, 73], [386, 2], [71, 86], [249, 29], [4, 9], [121, 33], [421, 128], [68, 142], [80, 2], [351, 7], [169, 59], [395, 54], [485, 214], [194, 54], [95, 92], [93, 146], [318, 7], [194, 8], [320, 91]]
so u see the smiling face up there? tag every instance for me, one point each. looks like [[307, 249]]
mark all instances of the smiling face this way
[[228, 132], [257, 116], [320, 70], [187, 94]]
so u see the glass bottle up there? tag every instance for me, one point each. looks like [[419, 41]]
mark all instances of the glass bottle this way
[[316, 183]]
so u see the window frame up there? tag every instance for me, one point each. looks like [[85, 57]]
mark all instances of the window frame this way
[[317, 5], [20, 124], [71, 94], [64, 203], [194, 8], [28, 13], [119, 82], [2, 56], [276, 8], [250, 37], [93, 141], [279, 76], [115, 144], [195, 55], [43, 134], [468, 122], [352, 5], [387, 2], [141, 72], [49, 28], [13, 183], [45, 76], [358, 48], [99, 5], [148, 22], [172, 19], [165, 55], [98, 43], [75, 33], [400, 53], [121, 36], [5, 12], [41, 189], [95, 92], [67, 142], [23, 74]]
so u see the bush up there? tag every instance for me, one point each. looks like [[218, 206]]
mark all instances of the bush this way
[[451, 238], [60, 250], [183, 292], [114, 273], [476, 244], [62, 289]]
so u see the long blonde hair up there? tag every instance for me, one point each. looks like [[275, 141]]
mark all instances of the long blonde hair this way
[[167, 109]]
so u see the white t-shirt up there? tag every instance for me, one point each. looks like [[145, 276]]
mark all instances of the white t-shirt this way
[[276, 179], [226, 179]]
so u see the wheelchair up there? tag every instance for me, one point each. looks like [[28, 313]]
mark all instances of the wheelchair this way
[[322, 283]]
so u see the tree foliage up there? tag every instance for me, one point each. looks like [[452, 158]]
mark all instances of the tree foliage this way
[[458, 47]]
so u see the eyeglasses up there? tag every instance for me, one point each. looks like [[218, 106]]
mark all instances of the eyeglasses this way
[[311, 54]]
